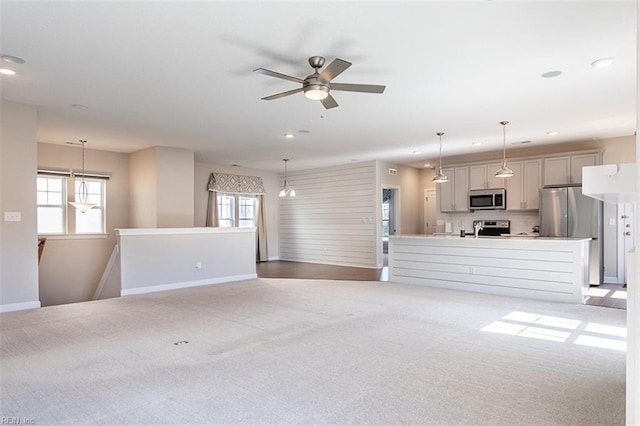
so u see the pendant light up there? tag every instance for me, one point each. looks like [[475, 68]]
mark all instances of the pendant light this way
[[504, 171], [440, 177], [286, 190], [82, 203]]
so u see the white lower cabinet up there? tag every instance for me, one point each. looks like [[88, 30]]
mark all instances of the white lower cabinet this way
[[523, 187]]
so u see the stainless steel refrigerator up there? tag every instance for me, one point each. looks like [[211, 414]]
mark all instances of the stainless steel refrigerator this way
[[565, 212]]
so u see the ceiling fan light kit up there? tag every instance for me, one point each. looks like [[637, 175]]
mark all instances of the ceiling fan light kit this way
[[317, 86], [504, 171]]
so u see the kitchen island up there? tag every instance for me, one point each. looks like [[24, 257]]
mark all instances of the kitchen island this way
[[540, 268]]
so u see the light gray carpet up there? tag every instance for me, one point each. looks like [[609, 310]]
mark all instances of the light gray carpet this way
[[275, 351]]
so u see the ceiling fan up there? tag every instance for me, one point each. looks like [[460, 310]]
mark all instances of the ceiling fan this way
[[317, 86]]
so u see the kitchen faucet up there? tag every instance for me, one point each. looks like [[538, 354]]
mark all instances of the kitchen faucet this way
[[477, 227]]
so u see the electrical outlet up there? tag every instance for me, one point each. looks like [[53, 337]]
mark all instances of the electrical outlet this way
[[198, 265], [12, 217]]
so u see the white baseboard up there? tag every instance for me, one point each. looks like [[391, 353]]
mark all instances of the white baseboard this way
[[11, 307], [611, 280], [185, 284], [273, 258]]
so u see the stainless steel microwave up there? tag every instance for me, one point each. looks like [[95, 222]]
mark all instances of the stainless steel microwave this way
[[488, 199]]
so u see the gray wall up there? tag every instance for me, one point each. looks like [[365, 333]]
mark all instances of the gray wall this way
[[161, 188], [408, 183], [18, 240]]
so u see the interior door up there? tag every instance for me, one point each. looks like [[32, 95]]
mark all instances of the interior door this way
[[430, 211]]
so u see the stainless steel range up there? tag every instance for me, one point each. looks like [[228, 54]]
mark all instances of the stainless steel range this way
[[493, 227]]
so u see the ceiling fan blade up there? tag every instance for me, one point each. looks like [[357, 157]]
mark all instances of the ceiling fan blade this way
[[282, 95], [329, 102], [334, 69], [366, 88], [278, 75]]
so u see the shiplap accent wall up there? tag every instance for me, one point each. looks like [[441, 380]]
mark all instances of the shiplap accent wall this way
[[332, 219]]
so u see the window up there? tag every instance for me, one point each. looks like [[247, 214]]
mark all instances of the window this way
[[235, 210], [226, 214], [91, 221], [52, 200], [56, 217], [385, 218]]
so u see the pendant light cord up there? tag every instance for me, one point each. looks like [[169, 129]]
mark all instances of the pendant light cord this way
[[83, 192], [504, 142], [440, 139]]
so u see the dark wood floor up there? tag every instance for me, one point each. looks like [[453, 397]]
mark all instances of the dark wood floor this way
[[607, 295], [284, 269]]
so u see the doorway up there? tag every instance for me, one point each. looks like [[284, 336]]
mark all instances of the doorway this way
[[390, 217], [626, 214], [430, 214]]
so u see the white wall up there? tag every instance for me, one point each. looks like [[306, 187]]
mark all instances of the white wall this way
[[71, 268], [169, 258], [333, 218], [271, 185], [18, 240]]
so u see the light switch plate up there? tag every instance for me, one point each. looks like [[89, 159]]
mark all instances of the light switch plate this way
[[12, 217], [612, 222]]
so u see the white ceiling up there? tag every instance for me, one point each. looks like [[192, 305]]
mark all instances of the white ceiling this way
[[180, 74]]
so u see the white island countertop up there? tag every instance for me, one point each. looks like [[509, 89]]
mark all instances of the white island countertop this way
[[510, 237], [547, 268]]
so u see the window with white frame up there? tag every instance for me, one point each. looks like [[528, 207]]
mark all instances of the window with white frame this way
[[235, 210], [93, 220], [56, 217], [52, 200]]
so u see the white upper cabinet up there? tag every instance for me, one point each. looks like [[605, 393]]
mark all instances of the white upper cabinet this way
[[455, 193], [483, 176], [580, 161], [568, 169], [524, 186]]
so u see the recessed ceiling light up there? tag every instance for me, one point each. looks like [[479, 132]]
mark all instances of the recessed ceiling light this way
[[520, 143], [476, 143], [288, 135], [417, 152], [552, 133], [7, 71], [602, 62], [428, 165], [304, 131], [79, 106], [551, 74]]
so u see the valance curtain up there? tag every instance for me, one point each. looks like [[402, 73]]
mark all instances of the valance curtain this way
[[239, 184], [235, 184]]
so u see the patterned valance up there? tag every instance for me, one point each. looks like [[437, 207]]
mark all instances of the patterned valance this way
[[235, 184]]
